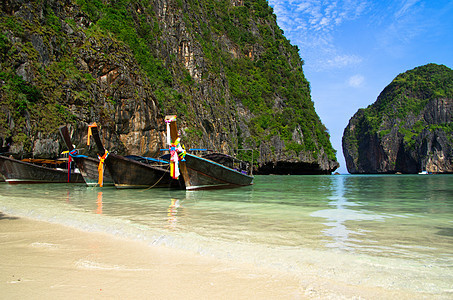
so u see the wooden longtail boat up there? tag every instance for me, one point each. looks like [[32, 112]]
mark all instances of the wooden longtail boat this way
[[204, 173], [208, 172], [88, 166], [36, 171], [131, 173]]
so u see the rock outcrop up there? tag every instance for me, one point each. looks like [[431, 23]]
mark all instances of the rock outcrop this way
[[223, 67], [408, 129]]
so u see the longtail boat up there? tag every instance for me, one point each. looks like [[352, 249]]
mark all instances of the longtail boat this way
[[133, 173], [37, 171], [211, 171], [89, 167]]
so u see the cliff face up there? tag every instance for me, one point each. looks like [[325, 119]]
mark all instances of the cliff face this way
[[224, 67], [408, 129]]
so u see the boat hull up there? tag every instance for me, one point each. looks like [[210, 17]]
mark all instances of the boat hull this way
[[88, 167], [203, 173], [128, 173], [17, 172]]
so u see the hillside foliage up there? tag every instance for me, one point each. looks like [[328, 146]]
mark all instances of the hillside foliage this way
[[410, 116], [407, 95], [266, 67]]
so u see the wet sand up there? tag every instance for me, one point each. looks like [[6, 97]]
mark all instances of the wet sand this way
[[44, 260]]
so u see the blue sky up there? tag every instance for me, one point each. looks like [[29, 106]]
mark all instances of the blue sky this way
[[353, 49]]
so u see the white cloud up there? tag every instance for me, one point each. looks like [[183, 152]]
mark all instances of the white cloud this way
[[406, 8], [405, 21], [356, 81], [321, 15], [343, 61], [311, 25]]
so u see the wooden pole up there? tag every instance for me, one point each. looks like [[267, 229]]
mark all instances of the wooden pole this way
[[97, 140], [65, 135], [66, 138]]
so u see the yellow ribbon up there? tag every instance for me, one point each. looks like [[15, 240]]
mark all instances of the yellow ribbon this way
[[89, 132], [101, 168]]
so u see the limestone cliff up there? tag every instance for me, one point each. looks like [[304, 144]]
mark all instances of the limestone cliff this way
[[224, 67], [408, 129]]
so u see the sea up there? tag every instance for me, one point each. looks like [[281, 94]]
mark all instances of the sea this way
[[391, 231]]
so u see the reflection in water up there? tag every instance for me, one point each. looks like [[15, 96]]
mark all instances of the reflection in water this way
[[336, 217], [99, 204], [393, 230], [397, 216], [339, 214], [338, 231], [172, 213]]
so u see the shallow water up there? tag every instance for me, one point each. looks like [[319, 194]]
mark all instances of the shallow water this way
[[392, 231]]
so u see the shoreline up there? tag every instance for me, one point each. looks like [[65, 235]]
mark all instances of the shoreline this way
[[42, 260]]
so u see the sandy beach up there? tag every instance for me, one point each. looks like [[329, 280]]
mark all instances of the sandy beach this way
[[45, 260]]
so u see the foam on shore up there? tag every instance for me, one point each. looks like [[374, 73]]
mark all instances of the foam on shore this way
[[46, 260]]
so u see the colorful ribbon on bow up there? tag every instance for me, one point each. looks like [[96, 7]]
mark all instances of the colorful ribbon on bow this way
[[71, 154], [69, 168], [101, 167], [74, 153], [89, 132], [177, 151]]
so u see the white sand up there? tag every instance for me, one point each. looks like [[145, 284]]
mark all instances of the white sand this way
[[40, 260]]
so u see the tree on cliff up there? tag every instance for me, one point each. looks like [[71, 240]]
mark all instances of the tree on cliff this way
[[408, 129], [224, 67]]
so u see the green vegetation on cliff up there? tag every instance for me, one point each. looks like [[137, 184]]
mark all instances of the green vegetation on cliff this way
[[254, 79], [33, 106], [412, 109], [240, 43], [408, 94]]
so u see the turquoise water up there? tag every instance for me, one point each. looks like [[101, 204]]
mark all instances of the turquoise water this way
[[393, 231]]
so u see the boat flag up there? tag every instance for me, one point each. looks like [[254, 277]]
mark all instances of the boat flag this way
[[177, 151], [69, 168], [101, 167], [89, 132]]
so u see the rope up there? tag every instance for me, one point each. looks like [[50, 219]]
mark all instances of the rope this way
[[148, 188]]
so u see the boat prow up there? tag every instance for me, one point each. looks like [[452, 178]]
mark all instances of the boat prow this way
[[210, 172], [204, 173], [88, 166], [132, 173]]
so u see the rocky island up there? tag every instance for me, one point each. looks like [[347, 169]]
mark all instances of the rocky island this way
[[408, 129], [224, 67]]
